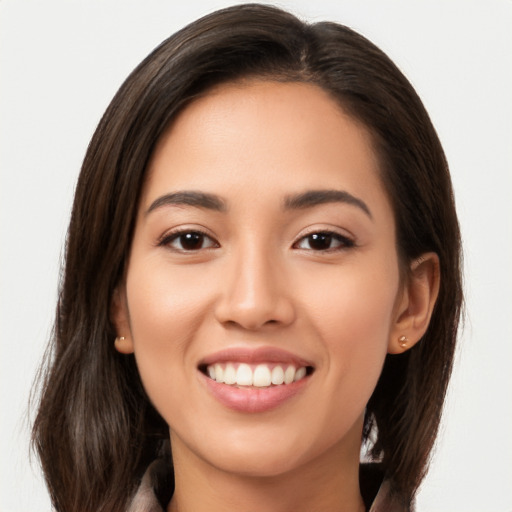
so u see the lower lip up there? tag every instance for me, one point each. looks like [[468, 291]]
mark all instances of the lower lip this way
[[252, 399]]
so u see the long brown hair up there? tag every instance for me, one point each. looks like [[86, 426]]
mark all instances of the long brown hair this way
[[96, 430]]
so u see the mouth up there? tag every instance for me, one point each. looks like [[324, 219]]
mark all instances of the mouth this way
[[261, 375], [256, 380]]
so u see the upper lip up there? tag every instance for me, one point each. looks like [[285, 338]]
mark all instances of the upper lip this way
[[254, 356]]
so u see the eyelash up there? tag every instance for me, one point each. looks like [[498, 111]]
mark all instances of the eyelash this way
[[344, 242], [168, 238]]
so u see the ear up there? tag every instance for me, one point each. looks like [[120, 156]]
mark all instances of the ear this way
[[121, 320], [416, 303]]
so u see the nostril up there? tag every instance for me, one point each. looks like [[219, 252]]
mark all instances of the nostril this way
[[252, 306]]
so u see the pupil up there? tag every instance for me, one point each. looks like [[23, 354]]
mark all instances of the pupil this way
[[191, 241], [320, 241]]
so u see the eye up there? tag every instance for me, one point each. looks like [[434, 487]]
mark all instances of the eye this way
[[188, 241], [324, 241]]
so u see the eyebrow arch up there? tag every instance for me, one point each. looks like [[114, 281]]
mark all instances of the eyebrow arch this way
[[316, 197], [189, 198]]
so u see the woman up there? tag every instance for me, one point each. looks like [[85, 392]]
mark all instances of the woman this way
[[262, 272]]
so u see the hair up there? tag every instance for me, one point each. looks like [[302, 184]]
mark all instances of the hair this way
[[96, 430]]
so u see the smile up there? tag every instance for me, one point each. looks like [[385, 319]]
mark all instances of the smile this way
[[261, 375], [254, 380]]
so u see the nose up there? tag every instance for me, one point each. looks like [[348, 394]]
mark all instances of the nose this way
[[255, 293]]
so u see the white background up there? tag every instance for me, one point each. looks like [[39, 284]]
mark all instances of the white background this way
[[60, 64]]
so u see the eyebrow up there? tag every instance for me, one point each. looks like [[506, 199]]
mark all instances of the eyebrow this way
[[300, 201], [189, 198], [316, 197]]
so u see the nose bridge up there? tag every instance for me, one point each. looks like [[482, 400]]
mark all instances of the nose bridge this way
[[254, 292]]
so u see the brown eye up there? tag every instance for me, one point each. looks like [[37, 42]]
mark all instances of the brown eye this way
[[320, 241], [186, 241], [324, 241]]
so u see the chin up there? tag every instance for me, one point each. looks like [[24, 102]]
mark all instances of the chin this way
[[258, 452], [256, 465]]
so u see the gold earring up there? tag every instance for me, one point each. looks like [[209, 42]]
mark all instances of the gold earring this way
[[402, 341], [119, 339]]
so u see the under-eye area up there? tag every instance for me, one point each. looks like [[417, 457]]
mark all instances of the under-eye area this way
[[261, 375]]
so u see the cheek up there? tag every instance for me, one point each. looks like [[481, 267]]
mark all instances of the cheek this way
[[165, 310], [163, 304], [352, 303], [353, 314]]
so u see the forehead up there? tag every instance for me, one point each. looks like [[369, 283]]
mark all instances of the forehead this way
[[254, 133]]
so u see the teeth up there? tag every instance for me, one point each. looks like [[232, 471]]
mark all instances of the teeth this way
[[244, 375], [219, 373], [230, 374], [289, 375], [300, 374], [277, 375], [261, 375]]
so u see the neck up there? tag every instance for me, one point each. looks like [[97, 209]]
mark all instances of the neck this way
[[329, 483]]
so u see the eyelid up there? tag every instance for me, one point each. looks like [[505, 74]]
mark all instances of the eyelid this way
[[347, 241], [174, 233]]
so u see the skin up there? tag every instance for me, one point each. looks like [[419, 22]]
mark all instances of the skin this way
[[256, 280]]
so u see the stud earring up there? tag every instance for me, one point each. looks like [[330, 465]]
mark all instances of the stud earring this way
[[402, 341], [123, 345]]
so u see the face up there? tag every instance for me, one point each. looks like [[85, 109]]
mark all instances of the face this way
[[262, 287]]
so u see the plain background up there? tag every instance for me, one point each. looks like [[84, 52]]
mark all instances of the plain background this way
[[60, 64]]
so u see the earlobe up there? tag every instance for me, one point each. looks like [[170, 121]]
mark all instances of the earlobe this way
[[417, 303], [120, 318]]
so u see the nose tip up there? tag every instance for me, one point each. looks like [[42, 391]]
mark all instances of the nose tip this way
[[253, 316], [253, 298]]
